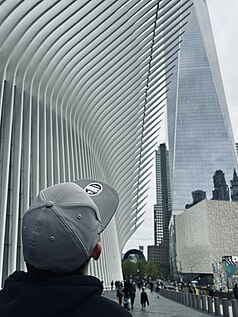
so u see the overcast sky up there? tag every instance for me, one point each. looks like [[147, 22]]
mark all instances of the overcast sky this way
[[223, 15]]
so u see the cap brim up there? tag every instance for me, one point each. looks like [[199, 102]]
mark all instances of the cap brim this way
[[104, 196]]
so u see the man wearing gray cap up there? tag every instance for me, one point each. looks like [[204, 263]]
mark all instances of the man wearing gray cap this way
[[60, 234]]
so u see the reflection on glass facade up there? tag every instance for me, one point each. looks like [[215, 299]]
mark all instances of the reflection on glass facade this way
[[199, 129]]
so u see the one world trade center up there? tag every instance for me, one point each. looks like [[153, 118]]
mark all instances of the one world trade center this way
[[200, 136]]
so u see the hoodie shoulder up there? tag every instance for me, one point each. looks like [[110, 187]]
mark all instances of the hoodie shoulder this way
[[98, 305]]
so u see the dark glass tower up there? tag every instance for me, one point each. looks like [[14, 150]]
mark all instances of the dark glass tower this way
[[162, 209], [200, 137]]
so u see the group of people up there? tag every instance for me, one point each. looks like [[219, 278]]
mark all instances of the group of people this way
[[126, 295], [209, 290]]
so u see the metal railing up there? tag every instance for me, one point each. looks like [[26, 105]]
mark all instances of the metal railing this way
[[215, 306]]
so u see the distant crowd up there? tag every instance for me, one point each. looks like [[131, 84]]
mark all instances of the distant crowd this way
[[208, 290], [126, 291]]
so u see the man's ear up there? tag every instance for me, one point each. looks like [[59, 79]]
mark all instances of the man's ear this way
[[97, 251]]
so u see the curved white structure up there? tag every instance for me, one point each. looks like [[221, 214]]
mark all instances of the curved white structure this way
[[82, 90]]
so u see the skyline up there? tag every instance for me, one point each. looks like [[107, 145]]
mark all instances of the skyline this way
[[224, 28]]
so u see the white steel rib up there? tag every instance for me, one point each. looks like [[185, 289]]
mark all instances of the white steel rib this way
[[82, 93]]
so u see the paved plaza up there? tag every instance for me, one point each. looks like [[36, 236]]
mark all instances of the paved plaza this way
[[161, 307]]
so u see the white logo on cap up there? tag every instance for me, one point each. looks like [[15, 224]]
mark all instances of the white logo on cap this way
[[93, 189]]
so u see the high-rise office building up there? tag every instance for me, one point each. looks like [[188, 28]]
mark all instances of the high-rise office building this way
[[200, 137], [162, 209]]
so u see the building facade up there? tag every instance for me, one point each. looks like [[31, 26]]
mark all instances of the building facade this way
[[82, 88], [204, 234], [162, 209], [200, 137]]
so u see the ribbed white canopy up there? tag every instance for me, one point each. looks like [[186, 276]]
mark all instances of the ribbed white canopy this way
[[82, 92]]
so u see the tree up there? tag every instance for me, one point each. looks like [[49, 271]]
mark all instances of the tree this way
[[152, 269], [140, 268], [129, 268]]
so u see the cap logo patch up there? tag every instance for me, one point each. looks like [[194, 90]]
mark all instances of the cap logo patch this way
[[93, 189]]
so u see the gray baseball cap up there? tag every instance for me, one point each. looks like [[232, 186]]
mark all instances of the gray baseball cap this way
[[62, 226]]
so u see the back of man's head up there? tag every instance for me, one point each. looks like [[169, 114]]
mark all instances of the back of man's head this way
[[61, 228]]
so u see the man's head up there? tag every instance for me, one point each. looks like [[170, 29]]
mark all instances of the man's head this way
[[61, 229]]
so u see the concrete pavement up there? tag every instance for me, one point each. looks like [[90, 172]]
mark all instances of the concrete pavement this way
[[161, 307]]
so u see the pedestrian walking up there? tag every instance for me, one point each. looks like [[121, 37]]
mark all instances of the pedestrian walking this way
[[133, 294], [60, 234], [144, 299], [190, 290], [211, 292], [126, 302], [157, 289], [119, 294], [235, 291], [151, 284]]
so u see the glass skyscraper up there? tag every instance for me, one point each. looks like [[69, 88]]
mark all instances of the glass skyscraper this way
[[200, 137], [162, 209]]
